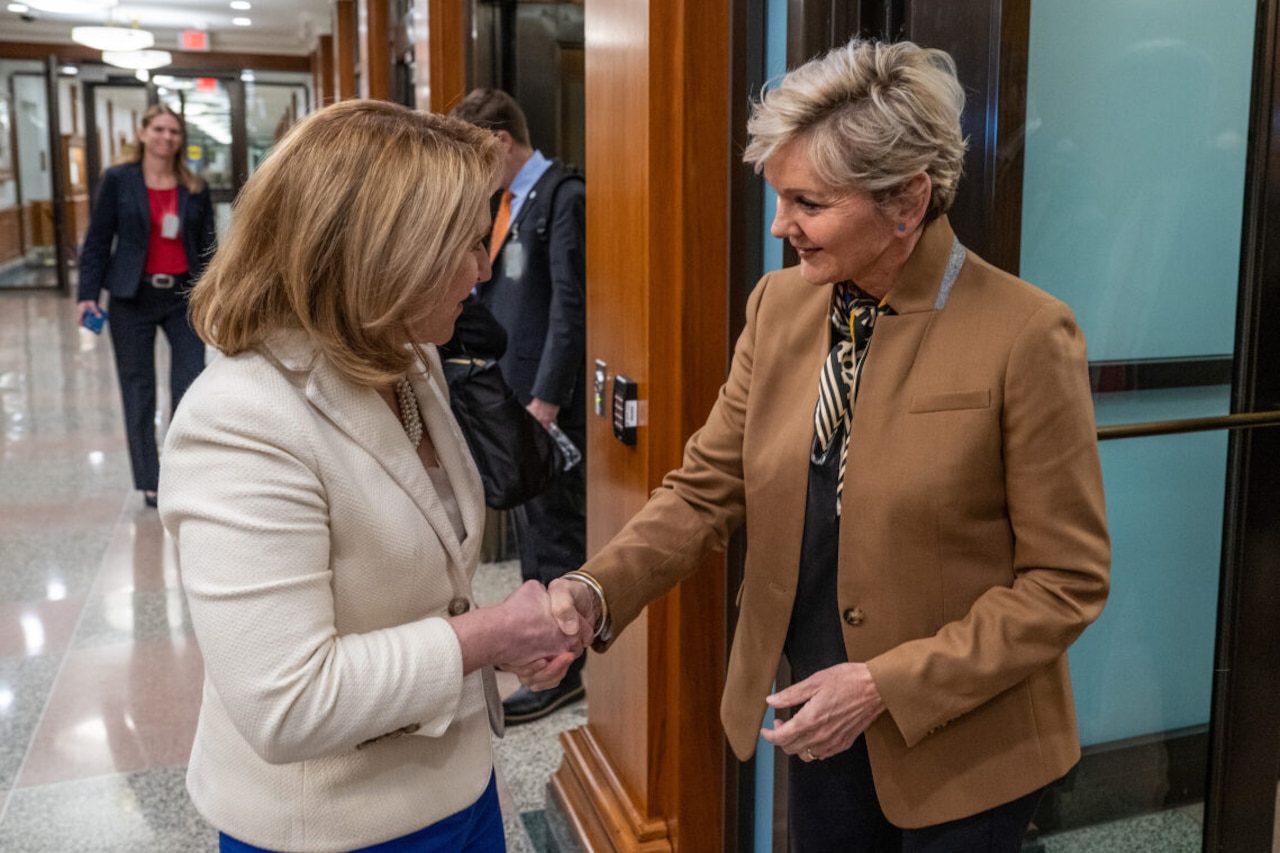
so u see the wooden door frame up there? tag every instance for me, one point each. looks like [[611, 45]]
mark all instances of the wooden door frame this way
[[647, 771]]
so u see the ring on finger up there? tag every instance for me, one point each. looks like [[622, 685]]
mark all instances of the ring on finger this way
[[808, 753]]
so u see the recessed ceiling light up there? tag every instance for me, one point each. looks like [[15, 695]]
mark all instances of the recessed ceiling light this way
[[242, 22], [242, 5], [18, 7]]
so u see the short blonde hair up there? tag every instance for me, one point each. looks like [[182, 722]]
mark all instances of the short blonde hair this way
[[353, 226], [873, 115]]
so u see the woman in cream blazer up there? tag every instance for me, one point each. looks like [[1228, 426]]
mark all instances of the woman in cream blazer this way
[[926, 596], [327, 514]]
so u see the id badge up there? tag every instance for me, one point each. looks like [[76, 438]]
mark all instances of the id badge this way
[[169, 226], [513, 258]]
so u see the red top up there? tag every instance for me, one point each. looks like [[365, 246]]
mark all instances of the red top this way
[[164, 254]]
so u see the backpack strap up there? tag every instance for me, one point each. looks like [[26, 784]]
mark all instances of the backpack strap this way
[[555, 177]]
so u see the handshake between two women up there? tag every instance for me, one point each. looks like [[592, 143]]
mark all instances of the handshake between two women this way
[[534, 633]]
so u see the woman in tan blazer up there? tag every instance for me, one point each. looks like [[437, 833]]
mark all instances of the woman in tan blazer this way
[[907, 434], [327, 514]]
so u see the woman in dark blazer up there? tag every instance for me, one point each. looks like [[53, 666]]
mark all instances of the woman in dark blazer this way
[[150, 236]]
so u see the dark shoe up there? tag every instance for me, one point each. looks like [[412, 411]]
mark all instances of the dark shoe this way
[[525, 705], [150, 498]]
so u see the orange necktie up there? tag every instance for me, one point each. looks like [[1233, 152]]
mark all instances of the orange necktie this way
[[500, 224]]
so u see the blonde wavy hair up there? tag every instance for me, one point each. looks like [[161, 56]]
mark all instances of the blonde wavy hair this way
[[872, 116], [351, 229]]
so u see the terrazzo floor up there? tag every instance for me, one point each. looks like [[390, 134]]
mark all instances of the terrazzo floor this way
[[99, 671]]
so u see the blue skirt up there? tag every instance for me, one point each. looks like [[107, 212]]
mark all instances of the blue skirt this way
[[475, 829]]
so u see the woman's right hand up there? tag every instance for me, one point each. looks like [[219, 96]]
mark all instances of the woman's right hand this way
[[85, 307], [517, 634]]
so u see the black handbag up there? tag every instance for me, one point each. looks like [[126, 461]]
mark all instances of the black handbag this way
[[517, 458]]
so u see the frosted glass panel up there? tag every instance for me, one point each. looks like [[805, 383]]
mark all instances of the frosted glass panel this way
[[1134, 174]]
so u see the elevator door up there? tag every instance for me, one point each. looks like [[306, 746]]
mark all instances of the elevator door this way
[[1133, 212]]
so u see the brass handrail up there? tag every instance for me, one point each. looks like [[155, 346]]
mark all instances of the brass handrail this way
[[1237, 421]]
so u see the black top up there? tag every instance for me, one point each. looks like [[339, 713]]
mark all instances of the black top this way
[[815, 637]]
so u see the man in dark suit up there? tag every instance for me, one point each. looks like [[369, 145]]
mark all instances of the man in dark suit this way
[[538, 294]]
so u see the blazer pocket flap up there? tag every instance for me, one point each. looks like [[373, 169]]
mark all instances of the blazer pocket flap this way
[[951, 400]]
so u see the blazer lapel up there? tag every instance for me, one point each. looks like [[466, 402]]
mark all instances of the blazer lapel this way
[[451, 449], [138, 192], [362, 415], [789, 355], [914, 299]]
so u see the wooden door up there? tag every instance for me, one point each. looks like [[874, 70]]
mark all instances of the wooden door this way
[[646, 772]]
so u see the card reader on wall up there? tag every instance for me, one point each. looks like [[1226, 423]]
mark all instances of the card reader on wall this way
[[625, 415]]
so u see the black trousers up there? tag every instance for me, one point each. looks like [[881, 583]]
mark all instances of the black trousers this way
[[133, 324], [834, 809], [551, 529]]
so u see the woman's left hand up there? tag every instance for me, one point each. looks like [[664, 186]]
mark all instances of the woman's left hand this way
[[840, 702]]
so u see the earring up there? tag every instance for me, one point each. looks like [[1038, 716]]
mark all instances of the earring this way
[[902, 226]]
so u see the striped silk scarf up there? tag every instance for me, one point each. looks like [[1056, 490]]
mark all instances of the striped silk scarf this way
[[854, 315]]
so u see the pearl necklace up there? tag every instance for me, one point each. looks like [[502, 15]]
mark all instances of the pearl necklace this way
[[410, 418]]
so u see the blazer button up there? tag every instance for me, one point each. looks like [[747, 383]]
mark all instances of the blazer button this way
[[459, 606], [854, 616]]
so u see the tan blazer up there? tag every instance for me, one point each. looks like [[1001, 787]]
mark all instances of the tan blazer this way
[[973, 540], [319, 561]]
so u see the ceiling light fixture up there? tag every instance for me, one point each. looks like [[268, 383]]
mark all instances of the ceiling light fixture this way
[[18, 7], [242, 22], [113, 38], [241, 5], [135, 59]]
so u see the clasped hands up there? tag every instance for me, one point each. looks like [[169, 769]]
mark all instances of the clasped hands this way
[[536, 633]]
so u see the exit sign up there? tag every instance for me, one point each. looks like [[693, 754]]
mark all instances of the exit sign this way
[[195, 40]]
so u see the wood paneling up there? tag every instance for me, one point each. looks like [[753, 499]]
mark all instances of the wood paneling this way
[[647, 771], [10, 234], [375, 49], [322, 71], [344, 49], [440, 55], [40, 218], [183, 61]]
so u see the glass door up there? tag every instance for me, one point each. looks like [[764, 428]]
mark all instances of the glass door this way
[[213, 109], [114, 114], [28, 243], [270, 110], [1134, 189]]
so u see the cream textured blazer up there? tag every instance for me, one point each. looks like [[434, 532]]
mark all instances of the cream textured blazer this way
[[973, 540], [318, 563]]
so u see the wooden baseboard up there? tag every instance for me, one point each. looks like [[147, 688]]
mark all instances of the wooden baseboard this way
[[590, 800]]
